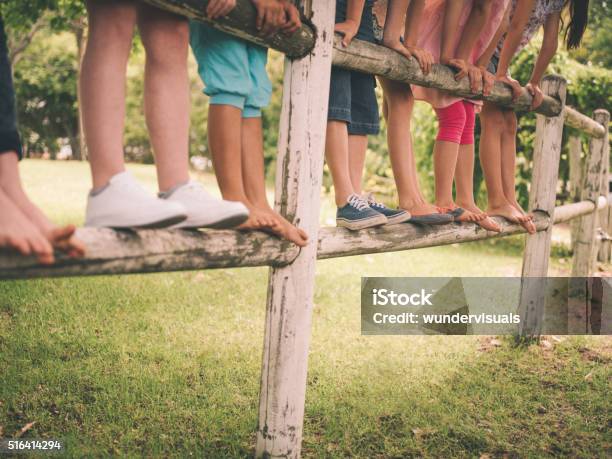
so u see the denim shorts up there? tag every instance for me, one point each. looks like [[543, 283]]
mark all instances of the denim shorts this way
[[9, 137], [493, 64], [352, 96], [352, 99]]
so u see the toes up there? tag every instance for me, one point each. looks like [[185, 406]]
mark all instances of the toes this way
[[21, 244]]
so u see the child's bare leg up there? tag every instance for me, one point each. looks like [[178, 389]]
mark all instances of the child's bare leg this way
[[464, 186], [493, 125], [165, 37], [225, 140], [337, 157], [508, 158], [111, 27], [254, 181], [19, 233], [10, 184], [358, 145], [399, 103], [508, 169]]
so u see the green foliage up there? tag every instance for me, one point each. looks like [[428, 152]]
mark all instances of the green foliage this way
[[46, 96], [19, 15]]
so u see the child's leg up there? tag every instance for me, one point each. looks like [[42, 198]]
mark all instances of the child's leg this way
[[399, 103], [357, 145], [492, 145], [464, 173], [452, 120], [165, 37], [254, 181], [111, 27], [337, 158]]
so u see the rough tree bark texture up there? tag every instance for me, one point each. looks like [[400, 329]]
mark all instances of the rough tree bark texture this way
[[241, 22], [584, 248], [378, 60], [546, 156], [290, 289], [583, 123], [126, 252]]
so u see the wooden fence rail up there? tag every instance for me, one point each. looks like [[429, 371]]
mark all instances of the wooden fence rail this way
[[298, 185]]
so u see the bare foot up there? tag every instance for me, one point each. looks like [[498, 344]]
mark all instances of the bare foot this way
[[420, 209], [486, 223], [64, 239], [17, 232], [259, 220], [512, 214], [61, 238], [466, 216], [288, 231]]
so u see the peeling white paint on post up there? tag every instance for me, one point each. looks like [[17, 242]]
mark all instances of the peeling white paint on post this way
[[542, 196], [605, 219], [290, 290], [584, 249]]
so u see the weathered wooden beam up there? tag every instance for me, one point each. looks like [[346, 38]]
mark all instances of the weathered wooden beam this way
[[583, 123], [289, 307], [379, 60], [241, 23], [125, 252], [584, 249], [542, 196]]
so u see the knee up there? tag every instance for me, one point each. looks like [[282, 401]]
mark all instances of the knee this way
[[167, 43], [493, 119], [400, 104], [510, 123], [111, 25]]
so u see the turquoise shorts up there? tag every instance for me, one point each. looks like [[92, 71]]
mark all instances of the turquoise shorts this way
[[233, 70]]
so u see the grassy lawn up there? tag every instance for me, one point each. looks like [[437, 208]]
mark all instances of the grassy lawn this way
[[168, 364]]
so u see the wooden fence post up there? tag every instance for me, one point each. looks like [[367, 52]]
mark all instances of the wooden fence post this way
[[542, 197], [575, 178], [299, 176], [584, 250], [605, 215]]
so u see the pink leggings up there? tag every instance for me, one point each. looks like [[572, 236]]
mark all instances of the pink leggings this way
[[457, 123]]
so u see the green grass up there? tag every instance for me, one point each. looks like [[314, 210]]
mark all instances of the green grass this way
[[168, 364]]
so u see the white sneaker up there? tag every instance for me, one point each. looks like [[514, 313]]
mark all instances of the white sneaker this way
[[125, 204], [204, 210]]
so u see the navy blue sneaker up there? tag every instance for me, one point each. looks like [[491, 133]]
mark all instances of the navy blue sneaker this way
[[394, 216], [357, 215]]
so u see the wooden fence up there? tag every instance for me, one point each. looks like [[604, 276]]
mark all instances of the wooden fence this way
[[298, 188]]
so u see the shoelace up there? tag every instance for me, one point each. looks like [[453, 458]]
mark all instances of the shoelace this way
[[369, 198], [357, 202]]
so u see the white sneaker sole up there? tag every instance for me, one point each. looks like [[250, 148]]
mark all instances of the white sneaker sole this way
[[362, 224], [153, 224]]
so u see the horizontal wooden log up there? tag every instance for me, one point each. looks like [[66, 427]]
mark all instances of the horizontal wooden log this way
[[127, 252], [583, 123], [241, 23], [339, 242], [379, 60]]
